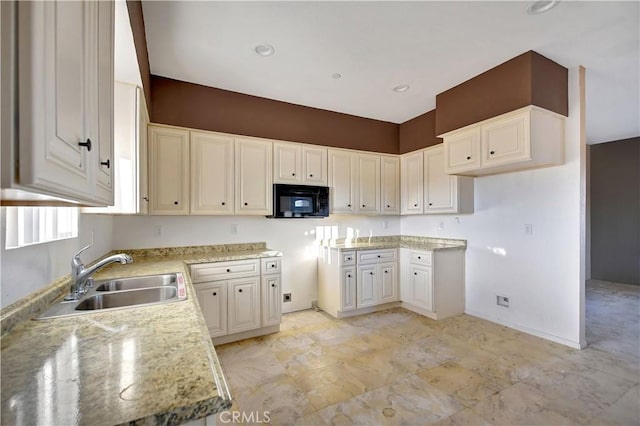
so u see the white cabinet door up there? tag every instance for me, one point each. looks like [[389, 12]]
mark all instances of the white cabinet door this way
[[462, 151], [440, 189], [211, 174], [387, 274], [68, 105], [422, 286], [143, 157], [104, 162], [213, 304], [390, 184], [287, 163], [168, 171], [367, 286], [254, 189], [271, 300], [411, 168], [368, 167], [342, 180], [244, 304], [314, 163], [506, 141], [348, 289]]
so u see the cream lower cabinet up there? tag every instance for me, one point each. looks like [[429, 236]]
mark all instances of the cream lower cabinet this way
[[239, 299], [432, 282], [243, 304], [271, 292], [530, 137], [213, 301], [350, 281]]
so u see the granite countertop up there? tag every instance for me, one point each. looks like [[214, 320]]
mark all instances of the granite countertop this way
[[147, 365], [416, 243]]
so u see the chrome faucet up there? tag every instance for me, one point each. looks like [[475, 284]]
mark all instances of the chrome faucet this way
[[80, 275]]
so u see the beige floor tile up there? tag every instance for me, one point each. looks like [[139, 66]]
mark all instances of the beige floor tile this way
[[465, 386], [329, 385], [464, 417], [395, 367], [519, 405], [281, 401], [625, 411]]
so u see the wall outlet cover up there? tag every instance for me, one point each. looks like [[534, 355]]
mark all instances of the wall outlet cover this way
[[286, 297]]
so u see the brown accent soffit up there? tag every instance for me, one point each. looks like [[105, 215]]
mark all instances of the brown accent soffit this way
[[527, 79], [136, 19], [418, 133], [195, 106]]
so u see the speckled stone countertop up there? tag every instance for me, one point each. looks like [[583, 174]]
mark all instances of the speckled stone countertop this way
[[404, 241], [146, 365]]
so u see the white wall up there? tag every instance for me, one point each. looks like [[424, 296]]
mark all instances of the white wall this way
[[27, 269], [294, 237], [540, 273]]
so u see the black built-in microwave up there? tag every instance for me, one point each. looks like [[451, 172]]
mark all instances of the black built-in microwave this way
[[297, 201]]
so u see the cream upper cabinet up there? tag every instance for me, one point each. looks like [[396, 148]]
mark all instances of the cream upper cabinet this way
[[287, 163], [130, 192], [411, 168], [143, 154], [253, 177], [506, 141], [299, 164], [64, 100], [463, 151], [368, 166], [390, 184], [428, 189], [314, 165], [530, 137], [444, 193], [212, 190], [168, 171], [342, 181]]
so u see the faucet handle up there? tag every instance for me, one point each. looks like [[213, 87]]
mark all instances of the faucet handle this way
[[77, 255]]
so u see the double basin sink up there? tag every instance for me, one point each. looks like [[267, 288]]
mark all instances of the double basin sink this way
[[123, 293]]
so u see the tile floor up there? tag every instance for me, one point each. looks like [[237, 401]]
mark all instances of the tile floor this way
[[398, 368]]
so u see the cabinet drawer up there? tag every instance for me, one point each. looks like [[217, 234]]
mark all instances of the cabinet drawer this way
[[421, 257], [224, 270], [375, 256], [271, 265], [347, 258]]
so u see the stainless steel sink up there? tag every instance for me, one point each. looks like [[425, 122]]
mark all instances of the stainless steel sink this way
[[119, 299], [122, 293], [131, 283]]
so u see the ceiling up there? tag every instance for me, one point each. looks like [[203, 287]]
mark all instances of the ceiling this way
[[375, 46]]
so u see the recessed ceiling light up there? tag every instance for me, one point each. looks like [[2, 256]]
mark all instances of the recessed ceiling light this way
[[541, 6], [265, 50], [401, 88], [336, 75]]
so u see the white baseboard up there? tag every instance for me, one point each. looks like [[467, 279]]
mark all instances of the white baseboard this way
[[528, 330]]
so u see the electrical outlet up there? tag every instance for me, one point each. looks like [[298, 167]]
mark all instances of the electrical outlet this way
[[502, 301], [234, 228], [528, 229], [286, 297], [157, 230], [441, 226]]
